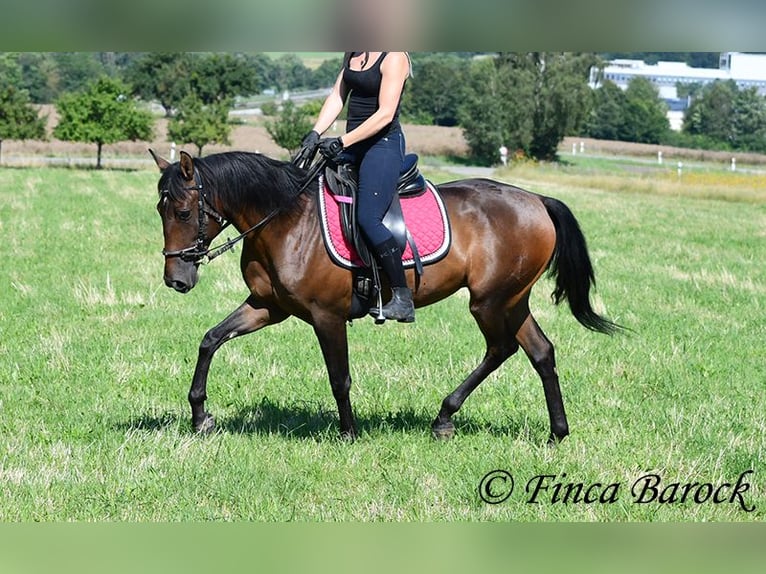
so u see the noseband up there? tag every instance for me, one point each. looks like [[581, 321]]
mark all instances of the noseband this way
[[200, 250]]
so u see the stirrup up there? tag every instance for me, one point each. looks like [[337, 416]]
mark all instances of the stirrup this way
[[406, 315]]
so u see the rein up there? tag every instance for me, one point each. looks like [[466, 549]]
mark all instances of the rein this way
[[199, 251]]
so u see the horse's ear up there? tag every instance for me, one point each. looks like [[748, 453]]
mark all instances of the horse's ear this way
[[161, 162], [187, 166]]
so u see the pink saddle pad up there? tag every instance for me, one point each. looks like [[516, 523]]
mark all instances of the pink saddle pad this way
[[424, 215]]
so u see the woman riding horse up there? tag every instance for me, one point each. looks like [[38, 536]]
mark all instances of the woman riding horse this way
[[503, 240], [373, 83]]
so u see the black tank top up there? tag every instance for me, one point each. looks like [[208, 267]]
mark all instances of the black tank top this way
[[364, 87]]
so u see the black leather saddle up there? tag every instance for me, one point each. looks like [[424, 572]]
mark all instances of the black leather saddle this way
[[342, 179]]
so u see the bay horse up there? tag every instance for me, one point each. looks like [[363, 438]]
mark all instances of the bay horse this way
[[504, 239]]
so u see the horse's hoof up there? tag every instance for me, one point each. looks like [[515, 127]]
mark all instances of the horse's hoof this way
[[348, 436], [207, 425], [443, 431], [554, 440]]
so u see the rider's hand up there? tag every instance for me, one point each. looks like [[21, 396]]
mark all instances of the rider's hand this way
[[310, 139], [308, 147], [330, 147]]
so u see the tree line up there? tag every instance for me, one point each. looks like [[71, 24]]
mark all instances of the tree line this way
[[45, 76], [527, 102], [97, 93]]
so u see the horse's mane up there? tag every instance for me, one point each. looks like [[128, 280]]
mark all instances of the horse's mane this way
[[240, 179]]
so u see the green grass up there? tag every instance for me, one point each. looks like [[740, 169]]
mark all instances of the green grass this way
[[96, 356], [625, 175]]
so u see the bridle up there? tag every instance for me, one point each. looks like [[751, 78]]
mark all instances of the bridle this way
[[205, 209]]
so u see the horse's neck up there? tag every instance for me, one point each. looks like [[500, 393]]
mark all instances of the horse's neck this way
[[287, 248], [301, 222]]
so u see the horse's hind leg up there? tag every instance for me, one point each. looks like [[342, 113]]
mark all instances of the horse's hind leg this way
[[541, 354], [493, 322], [248, 317]]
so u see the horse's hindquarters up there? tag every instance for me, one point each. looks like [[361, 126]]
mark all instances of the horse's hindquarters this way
[[502, 240]]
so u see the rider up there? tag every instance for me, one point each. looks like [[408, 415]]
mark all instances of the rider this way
[[373, 83]]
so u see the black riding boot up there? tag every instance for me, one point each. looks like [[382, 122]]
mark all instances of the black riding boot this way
[[400, 307]]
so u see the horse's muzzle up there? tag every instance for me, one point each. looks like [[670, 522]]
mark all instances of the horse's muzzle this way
[[179, 286], [181, 278]]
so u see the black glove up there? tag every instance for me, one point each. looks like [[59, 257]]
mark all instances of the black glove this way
[[310, 140], [308, 148], [330, 147]]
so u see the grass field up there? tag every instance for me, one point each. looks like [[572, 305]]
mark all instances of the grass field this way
[[96, 356]]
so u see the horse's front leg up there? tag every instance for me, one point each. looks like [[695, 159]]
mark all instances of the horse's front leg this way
[[331, 333], [247, 318]]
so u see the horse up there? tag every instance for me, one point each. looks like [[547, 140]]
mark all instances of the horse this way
[[503, 239]]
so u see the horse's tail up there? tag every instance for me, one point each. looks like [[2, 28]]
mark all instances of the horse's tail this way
[[571, 267]]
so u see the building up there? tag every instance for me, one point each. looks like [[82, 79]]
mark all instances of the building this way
[[747, 70]]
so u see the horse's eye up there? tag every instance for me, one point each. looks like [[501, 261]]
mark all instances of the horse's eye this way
[[183, 214]]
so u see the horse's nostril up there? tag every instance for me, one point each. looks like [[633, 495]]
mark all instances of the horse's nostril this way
[[179, 286]]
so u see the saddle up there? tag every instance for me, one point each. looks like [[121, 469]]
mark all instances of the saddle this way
[[425, 237], [343, 181]]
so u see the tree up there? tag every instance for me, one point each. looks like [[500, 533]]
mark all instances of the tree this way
[[18, 119], [200, 124], [34, 72], [163, 77], [645, 114], [527, 102], [46, 75], [722, 114], [10, 71], [115, 63], [750, 120], [605, 119], [76, 69], [436, 91], [102, 114], [39, 76], [291, 73], [325, 75], [484, 116], [561, 97], [637, 114], [220, 77], [265, 70], [711, 114], [291, 125], [686, 90]]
